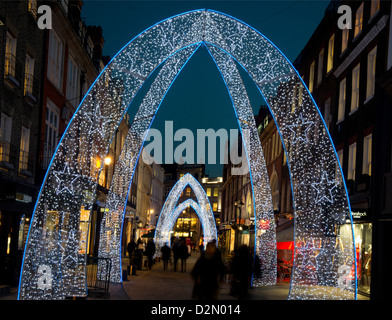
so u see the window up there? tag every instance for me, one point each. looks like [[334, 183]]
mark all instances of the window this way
[[51, 132], [320, 66], [352, 151], [24, 148], [10, 56], [216, 192], [355, 89], [208, 192], [345, 34], [72, 81], [340, 158], [330, 53], [371, 73], [55, 59], [29, 75], [342, 99], [311, 77], [32, 7], [374, 7], [367, 155], [5, 137], [327, 112], [215, 206], [188, 192], [358, 20]]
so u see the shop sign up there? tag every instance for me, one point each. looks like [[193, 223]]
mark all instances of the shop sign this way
[[359, 214]]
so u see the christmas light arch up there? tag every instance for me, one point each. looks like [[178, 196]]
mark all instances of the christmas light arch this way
[[171, 210], [324, 266]]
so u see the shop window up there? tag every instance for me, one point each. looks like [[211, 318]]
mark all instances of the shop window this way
[[55, 59], [5, 137], [374, 7], [311, 77], [355, 89], [320, 65], [345, 34], [352, 153], [342, 99], [29, 75], [24, 149], [331, 43], [367, 155], [358, 20], [371, 73], [10, 56]]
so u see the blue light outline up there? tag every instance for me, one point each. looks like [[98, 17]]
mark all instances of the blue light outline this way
[[152, 120], [76, 112], [246, 151], [176, 200], [325, 127]]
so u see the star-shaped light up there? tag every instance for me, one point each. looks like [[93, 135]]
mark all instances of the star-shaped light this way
[[98, 122], [300, 130], [65, 180], [267, 67], [324, 188], [236, 38]]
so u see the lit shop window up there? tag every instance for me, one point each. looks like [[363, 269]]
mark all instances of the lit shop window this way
[[371, 73], [355, 89], [358, 20], [330, 53]]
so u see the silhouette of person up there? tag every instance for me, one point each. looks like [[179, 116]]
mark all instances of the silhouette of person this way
[[207, 272], [130, 248], [150, 250], [176, 252], [183, 250], [166, 253], [242, 269]]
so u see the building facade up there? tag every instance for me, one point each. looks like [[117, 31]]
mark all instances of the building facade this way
[[21, 60], [347, 71]]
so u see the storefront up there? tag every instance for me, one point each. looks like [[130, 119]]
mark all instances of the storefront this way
[[363, 247]]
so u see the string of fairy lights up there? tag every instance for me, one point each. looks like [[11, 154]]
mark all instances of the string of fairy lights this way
[[171, 210], [54, 264]]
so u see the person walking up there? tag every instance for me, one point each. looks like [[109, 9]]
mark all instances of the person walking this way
[[150, 250], [131, 248], [207, 272], [176, 253], [166, 253], [183, 255], [242, 268]]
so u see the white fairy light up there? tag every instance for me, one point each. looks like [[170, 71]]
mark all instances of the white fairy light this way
[[56, 241], [171, 210]]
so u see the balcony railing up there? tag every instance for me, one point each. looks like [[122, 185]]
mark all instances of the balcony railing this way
[[13, 158]]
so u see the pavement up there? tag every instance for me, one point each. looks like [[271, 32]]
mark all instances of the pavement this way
[[160, 285]]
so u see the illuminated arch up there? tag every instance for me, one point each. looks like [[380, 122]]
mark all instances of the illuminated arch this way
[[170, 211], [324, 266], [167, 226]]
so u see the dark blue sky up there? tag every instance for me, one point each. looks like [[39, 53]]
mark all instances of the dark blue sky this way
[[198, 99]]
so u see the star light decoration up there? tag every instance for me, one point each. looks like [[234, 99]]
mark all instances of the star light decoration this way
[[171, 210], [287, 98]]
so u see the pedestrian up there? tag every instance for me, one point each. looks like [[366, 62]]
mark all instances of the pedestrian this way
[[166, 253], [183, 250], [207, 272], [176, 252], [242, 269], [201, 248], [131, 248], [150, 251]]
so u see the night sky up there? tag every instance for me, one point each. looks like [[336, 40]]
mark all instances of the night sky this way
[[198, 98]]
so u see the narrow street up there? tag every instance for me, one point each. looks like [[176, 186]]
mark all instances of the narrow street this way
[[159, 284]]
